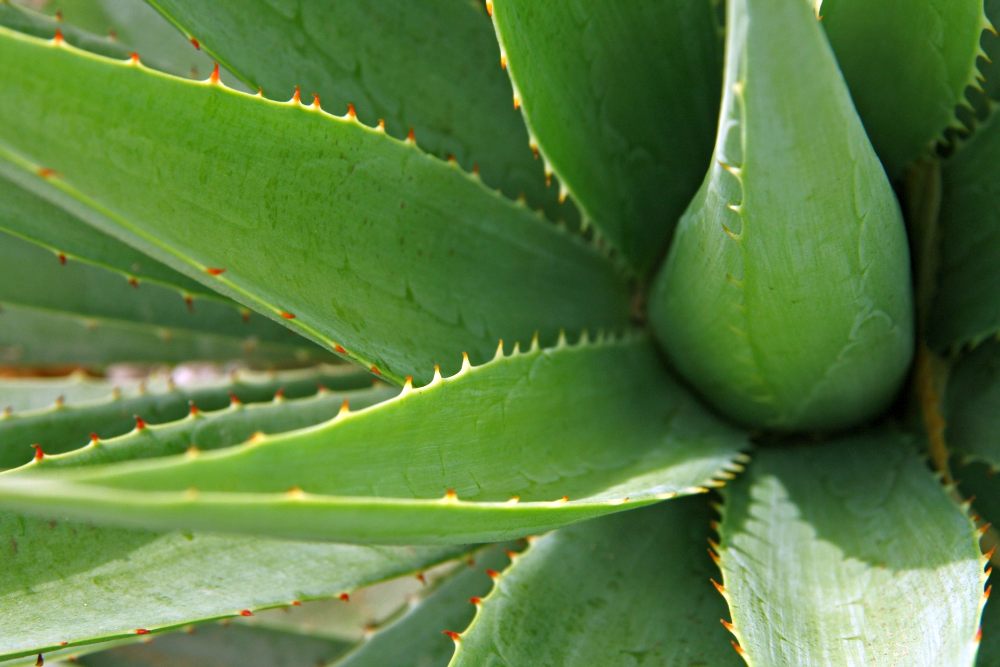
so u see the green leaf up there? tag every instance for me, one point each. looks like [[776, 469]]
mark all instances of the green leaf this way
[[346, 235], [63, 427], [34, 277], [908, 65], [786, 297], [35, 23], [416, 636], [30, 393], [224, 646], [26, 215], [36, 336], [965, 309], [432, 66], [527, 442], [628, 589], [972, 405], [621, 99], [849, 552], [73, 583]]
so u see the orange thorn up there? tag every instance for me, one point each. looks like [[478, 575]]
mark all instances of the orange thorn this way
[[260, 92], [279, 394], [726, 624], [46, 172], [564, 499], [195, 43], [296, 603], [411, 136], [214, 272], [714, 556], [39, 661], [59, 15], [344, 597], [62, 259], [451, 634], [189, 302], [517, 102], [141, 631], [511, 554], [719, 587], [339, 349], [246, 612], [297, 96], [133, 281], [489, 7], [234, 399], [503, 61], [287, 315], [193, 409], [39, 454], [979, 635], [140, 423], [737, 647], [475, 168], [985, 527], [58, 37], [374, 369], [422, 578], [213, 78], [133, 58], [475, 599], [989, 554], [351, 113], [492, 574], [450, 495], [94, 438], [381, 124], [986, 593]]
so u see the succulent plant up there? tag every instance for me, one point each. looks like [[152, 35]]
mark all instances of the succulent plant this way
[[724, 273]]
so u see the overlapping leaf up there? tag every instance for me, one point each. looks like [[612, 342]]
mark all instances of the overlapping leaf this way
[[363, 260], [525, 443], [849, 552]]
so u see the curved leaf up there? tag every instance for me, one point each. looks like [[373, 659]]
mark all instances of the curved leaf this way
[[416, 637], [965, 309], [31, 393], [73, 583], [432, 66], [36, 336], [63, 427], [628, 589], [849, 552], [344, 234], [35, 23], [622, 100], [524, 443], [972, 405], [908, 65]]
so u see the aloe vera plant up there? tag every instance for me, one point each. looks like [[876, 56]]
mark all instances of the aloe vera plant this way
[[545, 296]]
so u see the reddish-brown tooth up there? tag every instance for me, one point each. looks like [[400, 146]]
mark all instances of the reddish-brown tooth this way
[[737, 647], [213, 78], [195, 43], [133, 281], [986, 593], [133, 58], [316, 103], [140, 423], [214, 272], [344, 597], [381, 124], [296, 603], [46, 172], [451, 634], [39, 454], [94, 437], [260, 92], [64, 643], [517, 102], [246, 612], [714, 556], [58, 38], [287, 315], [339, 349], [503, 61], [297, 96], [451, 159], [278, 395], [422, 578], [193, 409], [492, 574], [189, 302], [59, 15], [489, 7], [351, 112], [471, 562], [62, 259], [719, 587], [113, 35], [475, 168], [141, 631], [985, 527], [979, 635], [450, 494], [411, 136], [511, 554], [234, 399], [989, 554], [374, 369], [245, 314], [39, 661], [475, 599], [726, 624]]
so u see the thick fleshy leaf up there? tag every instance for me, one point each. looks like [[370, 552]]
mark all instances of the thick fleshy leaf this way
[[344, 234], [525, 443], [908, 65], [972, 405], [628, 589], [65, 426], [223, 646], [966, 308], [849, 552], [39, 337], [432, 66], [31, 393], [621, 98], [33, 277], [32, 218], [24, 19], [416, 637], [68, 582], [786, 296]]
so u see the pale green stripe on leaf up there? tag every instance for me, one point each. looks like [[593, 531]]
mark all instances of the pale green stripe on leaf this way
[[849, 552], [622, 99], [966, 308], [74, 583], [433, 66], [30, 217], [631, 589], [344, 234], [524, 443], [908, 65], [417, 636], [972, 405], [66, 426], [39, 337]]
